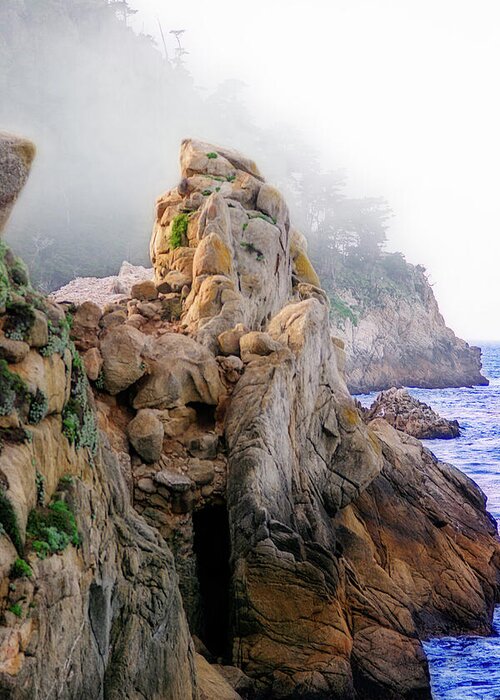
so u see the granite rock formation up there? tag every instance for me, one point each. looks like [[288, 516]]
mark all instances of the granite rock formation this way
[[89, 596], [312, 552], [398, 337], [405, 412]]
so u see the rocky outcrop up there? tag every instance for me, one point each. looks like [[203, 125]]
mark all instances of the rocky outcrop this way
[[16, 156], [312, 551], [405, 412], [395, 336], [89, 598]]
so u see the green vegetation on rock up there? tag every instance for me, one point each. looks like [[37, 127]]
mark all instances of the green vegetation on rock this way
[[39, 407], [16, 610], [52, 529], [20, 569], [59, 337], [13, 390], [179, 230], [8, 519], [212, 155], [78, 420]]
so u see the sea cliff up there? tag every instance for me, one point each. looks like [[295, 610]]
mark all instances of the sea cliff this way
[[393, 330], [192, 505]]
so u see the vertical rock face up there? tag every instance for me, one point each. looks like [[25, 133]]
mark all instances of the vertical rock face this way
[[89, 598], [399, 338], [348, 542], [309, 551]]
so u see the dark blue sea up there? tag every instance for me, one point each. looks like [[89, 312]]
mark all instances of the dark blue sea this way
[[468, 668]]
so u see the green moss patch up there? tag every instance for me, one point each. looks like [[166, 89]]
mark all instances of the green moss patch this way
[[179, 230]]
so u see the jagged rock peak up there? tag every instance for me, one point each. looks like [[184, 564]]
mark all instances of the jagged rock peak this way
[[224, 236], [16, 156]]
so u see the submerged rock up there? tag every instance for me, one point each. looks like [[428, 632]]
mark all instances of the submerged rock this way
[[406, 413]]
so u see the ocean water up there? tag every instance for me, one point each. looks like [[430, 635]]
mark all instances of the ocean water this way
[[468, 668]]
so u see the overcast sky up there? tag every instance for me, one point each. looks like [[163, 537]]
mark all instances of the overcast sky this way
[[403, 94]]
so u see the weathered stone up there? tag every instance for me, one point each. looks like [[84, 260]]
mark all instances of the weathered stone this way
[[181, 371], [271, 202], [201, 471], [232, 366], [16, 155], [211, 683], [177, 420], [47, 375], [404, 412], [402, 339], [122, 350], [136, 320], [12, 350], [173, 481], [257, 343], [149, 309], [146, 485], [93, 362], [144, 291], [203, 446], [145, 433], [38, 335], [85, 326], [173, 281], [114, 318], [229, 341]]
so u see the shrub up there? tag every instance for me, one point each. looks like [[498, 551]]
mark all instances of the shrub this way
[[8, 518], [179, 230], [13, 390], [41, 548], [40, 488], [20, 319], [16, 609], [78, 423], [20, 569], [39, 405], [59, 337], [52, 529], [212, 155]]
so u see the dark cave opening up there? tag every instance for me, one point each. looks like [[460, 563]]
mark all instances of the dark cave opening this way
[[212, 548]]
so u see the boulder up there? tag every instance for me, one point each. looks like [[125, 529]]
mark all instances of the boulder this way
[[173, 281], [85, 326], [12, 350], [122, 350], [229, 341], [177, 420], [174, 481], [144, 291], [257, 344], [38, 335], [145, 433], [211, 683], [92, 361], [181, 372]]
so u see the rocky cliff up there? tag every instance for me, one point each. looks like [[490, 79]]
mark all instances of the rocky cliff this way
[[394, 333], [233, 500]]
